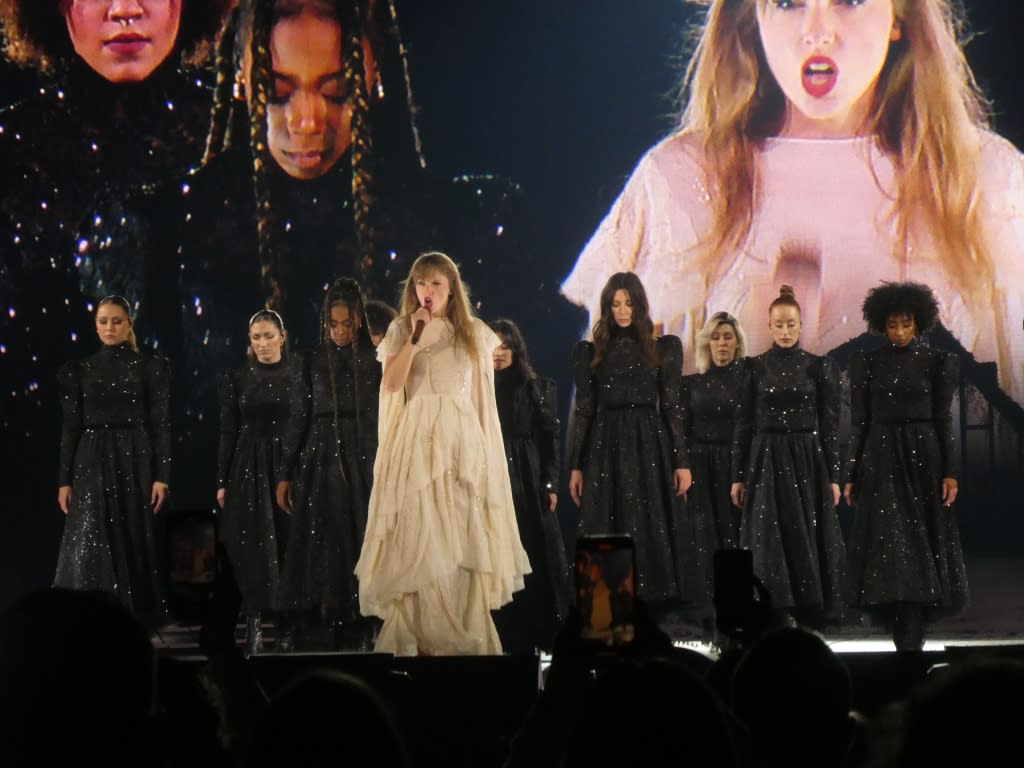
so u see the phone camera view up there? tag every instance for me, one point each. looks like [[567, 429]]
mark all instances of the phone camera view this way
[[605, 588]]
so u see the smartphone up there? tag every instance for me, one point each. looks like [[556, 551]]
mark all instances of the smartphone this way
[[191, 536], [605, 584]]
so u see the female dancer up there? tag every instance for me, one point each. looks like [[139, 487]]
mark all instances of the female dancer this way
[[527, 407], [334, 471], [629, 459], [906, 564], [858, 111], [709, 400], [260, 403], [114, 467], [785, 467], [441, 548]]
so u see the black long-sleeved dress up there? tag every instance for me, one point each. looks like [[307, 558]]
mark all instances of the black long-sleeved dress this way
[[332, 479], [629, 436], [115, 443], [904, 543], [786, 452], [530, 430], [260, 404], [709, 401]]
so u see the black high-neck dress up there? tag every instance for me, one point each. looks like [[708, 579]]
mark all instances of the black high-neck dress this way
[[629, 436], [786, 452], [528, 413], [260, 405], [709, 401], [115, 443], [904, 543], [333, 476]]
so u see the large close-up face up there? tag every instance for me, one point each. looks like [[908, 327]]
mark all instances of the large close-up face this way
[[826, 56], [123, 40], [433, 291], [723, 344], [267, 341], [309, 117], [113, 325], [622, 308], [900, 329], [342, 325], [784, 325], [503, 355]]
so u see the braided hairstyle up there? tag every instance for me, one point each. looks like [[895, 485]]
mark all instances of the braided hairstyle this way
[[244, 62], [345, 292]]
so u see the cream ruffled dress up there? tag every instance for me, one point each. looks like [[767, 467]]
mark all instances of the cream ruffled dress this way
[[442, 548]]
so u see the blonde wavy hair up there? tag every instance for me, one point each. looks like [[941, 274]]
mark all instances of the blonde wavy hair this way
[[703, 345], [927, 115], [458, 311]]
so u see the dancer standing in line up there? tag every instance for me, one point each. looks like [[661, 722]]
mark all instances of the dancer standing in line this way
[[441, 549], [630, 465], [906, 562], [115, 465], [709, 400], [786, 472], [333, 471], [260, 404], [527, 409]]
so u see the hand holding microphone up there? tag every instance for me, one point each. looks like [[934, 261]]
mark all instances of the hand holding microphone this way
[[420, 318]]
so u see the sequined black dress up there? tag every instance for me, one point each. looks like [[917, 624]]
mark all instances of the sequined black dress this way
[[629, 434], [115, 443], [332, 480], [530, 429], [904, 544], [709, 400], [69, 153], [259, 404], [786, 452]]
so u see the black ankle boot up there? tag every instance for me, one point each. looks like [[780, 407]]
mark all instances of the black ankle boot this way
[[253, 635], [286, 629], [908, 629]]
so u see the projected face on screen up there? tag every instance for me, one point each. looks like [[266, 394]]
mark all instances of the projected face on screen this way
[[863, 155], [123, 40], [310, 114], [828, 87]]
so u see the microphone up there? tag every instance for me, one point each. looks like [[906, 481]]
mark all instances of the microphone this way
[[420, 325]]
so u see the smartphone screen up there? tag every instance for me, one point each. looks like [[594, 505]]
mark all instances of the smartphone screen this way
[[192, 563], [605, 589]]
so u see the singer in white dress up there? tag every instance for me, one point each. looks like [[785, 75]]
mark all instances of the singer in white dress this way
[[442, 547]]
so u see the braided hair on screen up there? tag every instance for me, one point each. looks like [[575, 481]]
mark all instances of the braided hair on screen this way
[[345, 292], [243, 92]]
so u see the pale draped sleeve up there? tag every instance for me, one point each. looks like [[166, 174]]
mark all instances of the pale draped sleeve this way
[[390, 404], [653, 229], [509, 556], [1002, 180]]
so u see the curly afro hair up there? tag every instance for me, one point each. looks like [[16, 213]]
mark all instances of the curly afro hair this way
[[36, 35], [888, 299]]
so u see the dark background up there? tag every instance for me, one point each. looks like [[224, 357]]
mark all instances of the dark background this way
[[563, 97]]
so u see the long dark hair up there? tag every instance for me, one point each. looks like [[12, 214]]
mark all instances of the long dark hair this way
[[345, 292], [513, 339], [602, 330], [247, 38], [36, 33]]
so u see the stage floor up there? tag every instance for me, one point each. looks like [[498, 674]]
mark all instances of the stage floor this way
[[994, 617]]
